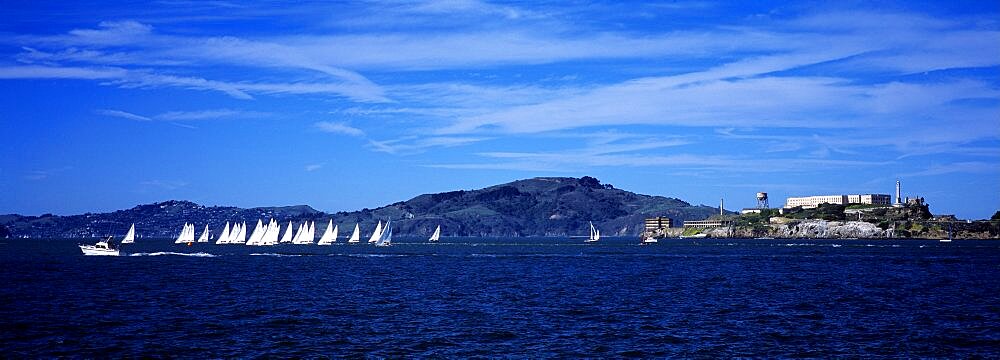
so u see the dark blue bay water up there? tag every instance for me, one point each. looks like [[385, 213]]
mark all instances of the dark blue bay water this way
[[507, 298]]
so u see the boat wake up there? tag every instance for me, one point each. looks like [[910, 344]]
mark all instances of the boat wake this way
[[160, 253]]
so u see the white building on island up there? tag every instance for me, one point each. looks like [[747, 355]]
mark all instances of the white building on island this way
[[809, 202]]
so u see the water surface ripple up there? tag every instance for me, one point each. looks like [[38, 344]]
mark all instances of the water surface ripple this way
[[505, 297]]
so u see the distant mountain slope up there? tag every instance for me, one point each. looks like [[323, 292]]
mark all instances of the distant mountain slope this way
[[554, 206], [538, 206]]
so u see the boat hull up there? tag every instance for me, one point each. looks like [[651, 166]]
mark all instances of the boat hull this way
[[90, 250]]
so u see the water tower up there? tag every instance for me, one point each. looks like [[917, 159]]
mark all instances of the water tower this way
[[762, 201]]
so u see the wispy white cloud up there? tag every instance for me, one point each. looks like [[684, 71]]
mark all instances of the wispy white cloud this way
[[175, 116], [50, 72], [568, 161], [765, 73], [122, 114], [313, 167], [130, 79], [209, 114], [969, 167], [108, 33], [414, 145], [165, 184], [338, 128], [36, 175]]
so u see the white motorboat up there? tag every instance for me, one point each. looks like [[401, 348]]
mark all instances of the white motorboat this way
[[102, 248], [695, 236]]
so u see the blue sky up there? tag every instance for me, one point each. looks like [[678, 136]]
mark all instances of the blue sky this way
[[350, 105]]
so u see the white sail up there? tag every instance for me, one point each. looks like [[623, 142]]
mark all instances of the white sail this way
[[377, 233], [180, 237], [130, 236], [385, 237], [241, 236], [267, 233], [436, 235], [329, 236], [271, 233], [272, 238], [187, 234], [302, 237], [204, 235], [224, 236], [356, 235], [299, 234], [287, 238], [257, 235], [594, 233], [308, 233], [234, 234]]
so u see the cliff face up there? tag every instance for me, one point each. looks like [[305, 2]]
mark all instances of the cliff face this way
[[821, 229], [806, 229], [553, 206]]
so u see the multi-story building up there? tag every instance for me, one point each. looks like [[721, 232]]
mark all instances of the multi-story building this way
[[652, 224], [814, 201]]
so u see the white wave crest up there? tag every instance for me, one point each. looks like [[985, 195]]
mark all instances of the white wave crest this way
[[160, 253]]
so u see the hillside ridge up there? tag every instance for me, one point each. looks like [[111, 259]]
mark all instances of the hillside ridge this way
[[541, 206]]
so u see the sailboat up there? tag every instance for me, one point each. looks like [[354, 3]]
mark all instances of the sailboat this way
[[594, 233], [306, 234], [949, 234], [187, 234], [436, 235], [329, 236], [271, 234], [287, 238], [257, 235], [224, 236], [356, 235], [204, 235], [241, 236], [377, 233], [385, 237], [299, 233], [130, 236]]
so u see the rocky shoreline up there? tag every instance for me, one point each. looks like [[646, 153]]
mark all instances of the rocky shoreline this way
[[825, 229]]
